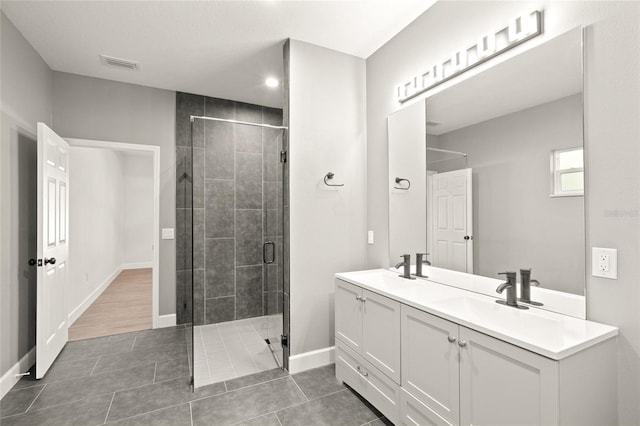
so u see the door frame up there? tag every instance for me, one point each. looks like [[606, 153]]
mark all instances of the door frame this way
[[155, 151]]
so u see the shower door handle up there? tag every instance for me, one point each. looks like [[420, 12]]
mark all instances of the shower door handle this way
[[273, 252]]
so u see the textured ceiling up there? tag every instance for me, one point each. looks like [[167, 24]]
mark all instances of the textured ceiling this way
[[223, 49]]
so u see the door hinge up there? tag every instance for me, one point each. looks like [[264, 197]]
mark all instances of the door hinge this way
[[284, 339], [283, 156]]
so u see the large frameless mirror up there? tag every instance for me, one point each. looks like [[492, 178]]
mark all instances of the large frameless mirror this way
[[496, 172]]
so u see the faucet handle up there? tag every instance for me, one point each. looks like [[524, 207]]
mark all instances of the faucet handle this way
[[535, 282], [511, 276]]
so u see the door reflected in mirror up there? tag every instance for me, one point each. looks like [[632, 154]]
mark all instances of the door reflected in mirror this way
[[504, 171]]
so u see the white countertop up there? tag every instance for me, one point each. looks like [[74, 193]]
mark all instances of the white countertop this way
[[546, 333], [554, 301]]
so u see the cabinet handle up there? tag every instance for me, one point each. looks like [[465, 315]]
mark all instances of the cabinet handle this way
[[363, 299], [359, 299], [462, 343], [364, 373], [451, 339]]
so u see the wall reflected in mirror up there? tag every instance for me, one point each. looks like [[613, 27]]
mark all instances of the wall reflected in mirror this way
[[504, 171]]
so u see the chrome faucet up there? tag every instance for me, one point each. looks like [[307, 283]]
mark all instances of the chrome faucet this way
[[406, 264], [510, 286], [421, 258], [525, 287]]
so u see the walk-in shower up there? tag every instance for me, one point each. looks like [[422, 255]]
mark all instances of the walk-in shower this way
[[231, 174]]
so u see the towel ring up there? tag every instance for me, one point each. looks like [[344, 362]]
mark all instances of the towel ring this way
[[400, 180], [330, 176]]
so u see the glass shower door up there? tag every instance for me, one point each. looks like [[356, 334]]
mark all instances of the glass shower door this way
[[237, 239], [273, 246]]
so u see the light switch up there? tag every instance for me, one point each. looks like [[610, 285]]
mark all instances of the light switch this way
[[604, 263], [370, 237], [167, 233]]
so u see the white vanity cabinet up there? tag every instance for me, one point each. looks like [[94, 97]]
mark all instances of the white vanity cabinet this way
[[368, 346], [419, 368], [430, 367], [454, 375], [369, 324]]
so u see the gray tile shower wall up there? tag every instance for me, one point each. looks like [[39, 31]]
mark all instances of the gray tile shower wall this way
[[229, 185]]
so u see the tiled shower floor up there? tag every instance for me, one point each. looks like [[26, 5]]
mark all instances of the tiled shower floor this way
[[233, 349]]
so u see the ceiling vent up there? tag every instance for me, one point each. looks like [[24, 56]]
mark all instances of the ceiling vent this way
[[125, 64]]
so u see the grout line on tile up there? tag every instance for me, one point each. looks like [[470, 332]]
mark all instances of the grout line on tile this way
[[152, 411], [329, 394], [155, 368], [134, 343], [278, 418], [244, 387], [254, 418], [64, 403], [109, 409], [34, 399], [298, 386], [95, 365]]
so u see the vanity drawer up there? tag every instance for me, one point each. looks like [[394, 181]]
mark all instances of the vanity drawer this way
[[414, 412], [368, 381]]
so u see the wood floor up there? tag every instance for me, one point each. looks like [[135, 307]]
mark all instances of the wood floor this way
[[123, 307]]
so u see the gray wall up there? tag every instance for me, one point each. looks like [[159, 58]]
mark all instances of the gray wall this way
[[612, 132], [236, 182], [328, 225], [92, 108], [26, 91], [515, 222]]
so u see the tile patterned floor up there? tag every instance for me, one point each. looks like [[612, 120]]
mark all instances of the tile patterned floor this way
[[233, 349], [142, 378]]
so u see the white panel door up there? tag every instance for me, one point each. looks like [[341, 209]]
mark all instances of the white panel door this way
[[453, 220], [381, 333], [348, 309], [501, 384], [52, 327], [430, 367]]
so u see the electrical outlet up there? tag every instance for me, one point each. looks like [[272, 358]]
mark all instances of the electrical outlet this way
[[604, 263]]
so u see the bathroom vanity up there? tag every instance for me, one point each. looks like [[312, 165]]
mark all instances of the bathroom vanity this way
[[427, 353]]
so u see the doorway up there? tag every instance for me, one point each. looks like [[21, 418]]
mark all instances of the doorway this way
[[114, 287]]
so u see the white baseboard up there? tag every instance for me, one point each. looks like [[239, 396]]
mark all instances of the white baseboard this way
[[9, 378], [312, 359], [79, 310], [137, 265], [162, 321]]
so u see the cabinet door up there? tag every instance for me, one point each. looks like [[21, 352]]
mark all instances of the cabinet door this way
[[348, 309], [501, 384], [369, 382], [381, 333], [430, 368], [415, 413]]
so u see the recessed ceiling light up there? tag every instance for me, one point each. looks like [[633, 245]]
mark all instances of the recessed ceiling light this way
[[272, 82]]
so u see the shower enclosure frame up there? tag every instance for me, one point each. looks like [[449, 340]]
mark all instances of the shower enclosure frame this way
[[284, 203]]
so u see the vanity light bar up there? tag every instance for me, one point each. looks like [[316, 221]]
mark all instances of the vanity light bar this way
[[517, 31]]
